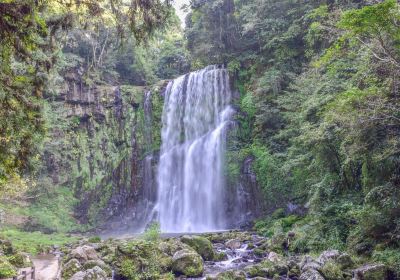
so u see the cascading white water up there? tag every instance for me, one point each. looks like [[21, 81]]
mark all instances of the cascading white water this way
[[191, 187]]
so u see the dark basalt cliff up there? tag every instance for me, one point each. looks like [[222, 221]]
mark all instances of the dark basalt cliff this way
[[96, 146]]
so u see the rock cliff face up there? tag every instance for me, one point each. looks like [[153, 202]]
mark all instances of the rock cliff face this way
[[96, 146]]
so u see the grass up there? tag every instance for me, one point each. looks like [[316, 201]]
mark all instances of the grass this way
[[35, 242], [52, 212]]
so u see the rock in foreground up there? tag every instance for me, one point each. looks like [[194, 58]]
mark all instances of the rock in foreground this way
[[188, 263]]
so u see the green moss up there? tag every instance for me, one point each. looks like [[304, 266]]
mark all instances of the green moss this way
[[95, 239], [278, 213], [332, 271], [6, 269], [141, 259]]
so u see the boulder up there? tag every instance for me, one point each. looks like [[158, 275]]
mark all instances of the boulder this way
[[255, 271], [344, 261], [79, 254], [266, 269], [70, 268], [84, 253], [170, 247], [294, 272], [332, 271], [309, 263], [371, 272], [90, 252], [201, 245], [220, 256], [311, 274], [96, 273], [6, 248], [259, 252], [274, 257], [233, 244], [231, 275], [328, 255], [93, 263], [188, 263]]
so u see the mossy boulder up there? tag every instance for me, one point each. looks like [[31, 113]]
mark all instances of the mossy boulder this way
[[344, 261], [371, 272], [229, 275], [311, 274], [96, 273], [277, 242], [233, 244], [187, 262], [308, 263], [141, 258], [259, 252], [171, 246], [107, 251], [6, 248], [294, 272], [201, 245], [92, 263], [83, 253], [255, 271], [329, 255], [7, 270], [70, 268], [220, 256], [332, 271], [267, 269]]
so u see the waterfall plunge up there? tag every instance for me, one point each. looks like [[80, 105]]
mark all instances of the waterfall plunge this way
[[191, 187]]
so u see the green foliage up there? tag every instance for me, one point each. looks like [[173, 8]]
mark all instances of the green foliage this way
[[152, 233], [35, 242], [332, 271], [211, 32], [6, 269], [373, 20], [389, 256], [128, 269], [95, 239], [269, 175]]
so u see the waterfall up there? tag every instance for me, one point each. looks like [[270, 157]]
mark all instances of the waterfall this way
[[195, 119]]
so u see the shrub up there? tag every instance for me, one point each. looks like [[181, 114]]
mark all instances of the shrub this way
[[152, 233], [6, 269], [390, 257], [332, 271], [95, 239]]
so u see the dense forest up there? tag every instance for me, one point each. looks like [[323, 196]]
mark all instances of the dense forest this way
[[317, 118]]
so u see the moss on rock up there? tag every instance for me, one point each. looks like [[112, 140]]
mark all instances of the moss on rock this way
[[188, 263], [201, 245]]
